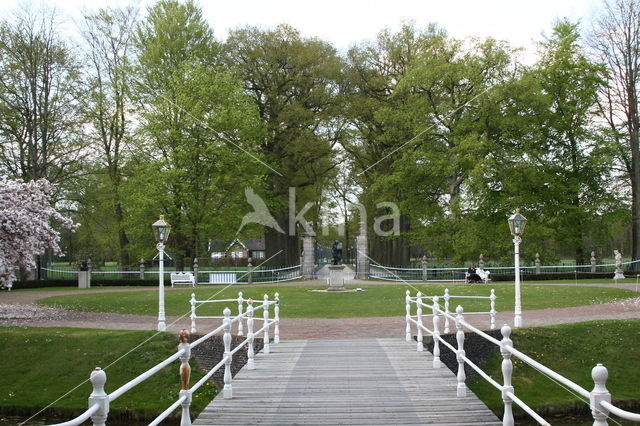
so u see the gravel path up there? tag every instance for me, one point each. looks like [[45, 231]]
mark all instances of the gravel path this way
[[18, 309]]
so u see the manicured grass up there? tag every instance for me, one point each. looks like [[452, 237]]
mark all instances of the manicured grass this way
[[376, 300], [571, 350], [41, 364]]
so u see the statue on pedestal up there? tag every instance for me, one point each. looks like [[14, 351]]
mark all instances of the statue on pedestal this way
[[619, 275], [336, 251]]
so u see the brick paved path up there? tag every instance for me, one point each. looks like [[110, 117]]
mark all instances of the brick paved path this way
[[17, 309]]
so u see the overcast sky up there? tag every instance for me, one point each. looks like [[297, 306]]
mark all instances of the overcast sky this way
[[345, 22]]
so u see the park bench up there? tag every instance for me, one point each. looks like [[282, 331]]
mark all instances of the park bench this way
[[183, 278]]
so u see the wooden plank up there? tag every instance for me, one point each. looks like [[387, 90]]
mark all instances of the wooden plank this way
[[346, 382]]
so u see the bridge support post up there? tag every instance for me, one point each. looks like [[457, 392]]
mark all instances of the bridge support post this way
[[407, 330], [419, 345], [266, 348], [193, 313], [240, 306], [276, 319], [492, 310], [460, 354], [362, 253], [308, 255], [250, 353], [436, 333], [446, 310], [507, 371], [227, 390]]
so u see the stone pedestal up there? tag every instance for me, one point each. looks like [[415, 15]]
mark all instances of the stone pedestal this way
[[84, 279], [308, 265], [619, 274], [362, 253], [336, 278]]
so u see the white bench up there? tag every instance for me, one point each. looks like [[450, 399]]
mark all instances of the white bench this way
[[222, 278], [183, 278]]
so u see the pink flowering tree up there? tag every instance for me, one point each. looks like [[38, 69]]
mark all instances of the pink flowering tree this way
[[26, 216]]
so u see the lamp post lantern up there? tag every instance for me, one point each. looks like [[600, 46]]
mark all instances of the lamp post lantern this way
[[517, 223], [161, 231]]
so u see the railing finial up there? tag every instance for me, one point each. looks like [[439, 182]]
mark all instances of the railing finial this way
[[98, 379], [599, 374]]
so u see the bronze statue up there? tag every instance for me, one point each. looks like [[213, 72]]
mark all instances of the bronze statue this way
[[336, 250]]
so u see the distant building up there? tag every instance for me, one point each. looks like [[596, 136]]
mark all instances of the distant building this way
[[238, 249]]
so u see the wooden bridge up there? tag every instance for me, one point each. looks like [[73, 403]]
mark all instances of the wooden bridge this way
[[346, 382]]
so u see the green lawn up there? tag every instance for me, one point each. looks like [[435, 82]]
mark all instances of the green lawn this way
[[42, 364], [376, 300], [571, 350]]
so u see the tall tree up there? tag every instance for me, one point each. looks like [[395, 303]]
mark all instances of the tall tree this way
[[377, 111], [294, 82], [108, 34], [568, 153], [201, 131], [616, 43], [40, 109]]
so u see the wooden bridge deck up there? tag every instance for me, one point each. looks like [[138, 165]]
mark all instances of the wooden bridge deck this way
[[346, 382]]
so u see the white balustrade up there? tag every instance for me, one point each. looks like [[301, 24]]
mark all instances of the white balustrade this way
[[99, 397], [227, 390], [265, 314], [599, 397], [99, 400], [419, 346], [407, 331], [276, 319], [507, 372], [492, 309], [436, 333], [240, 302], [250, 363], [460, 354], [193, 316], [446, 310]]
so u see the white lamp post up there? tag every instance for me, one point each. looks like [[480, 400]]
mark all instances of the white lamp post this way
[[161, 230], [517, 223]]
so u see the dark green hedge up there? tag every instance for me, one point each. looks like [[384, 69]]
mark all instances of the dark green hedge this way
[[94, 283], [557, 276]]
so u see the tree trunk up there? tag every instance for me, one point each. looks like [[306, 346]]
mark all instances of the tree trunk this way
[[281, 249]]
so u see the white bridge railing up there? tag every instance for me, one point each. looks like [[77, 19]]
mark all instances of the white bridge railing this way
[[99, 400], [447, 302], [458, 274], [599, 397]]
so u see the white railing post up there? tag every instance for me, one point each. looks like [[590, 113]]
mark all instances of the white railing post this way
[[599, 394], [446, 310], [240, 327], [185, 376], [507, 371], [266, 348], [407, 330], [436, 332], [460, 354], [492, 311], [227, 391], [419, 339], [250, 336], [98, 378], [276, 319], [193, 313]]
